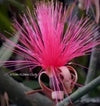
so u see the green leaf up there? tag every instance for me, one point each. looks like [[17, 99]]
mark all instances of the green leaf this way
[[32, 84], [6, 52]]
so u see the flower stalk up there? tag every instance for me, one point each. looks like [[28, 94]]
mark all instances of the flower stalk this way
[[81, 92]]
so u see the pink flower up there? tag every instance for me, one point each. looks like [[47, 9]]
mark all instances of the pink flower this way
[[88, 4], [45, 42]]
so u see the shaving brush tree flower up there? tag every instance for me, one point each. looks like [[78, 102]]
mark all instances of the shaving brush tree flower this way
[[45, 42]]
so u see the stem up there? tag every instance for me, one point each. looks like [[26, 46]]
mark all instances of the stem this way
[[80, 92], [93, 62], [16, 92], [92, 67]]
